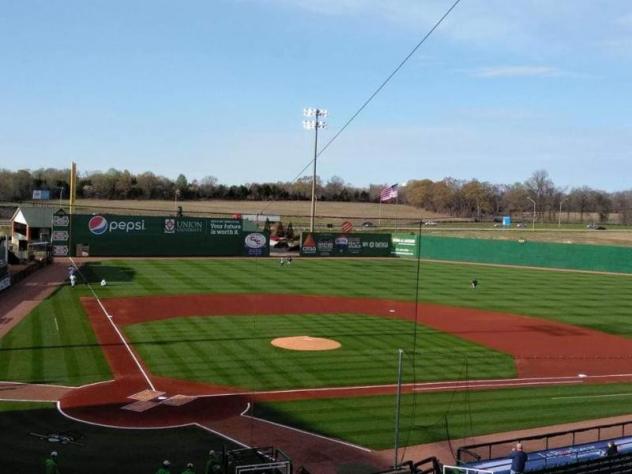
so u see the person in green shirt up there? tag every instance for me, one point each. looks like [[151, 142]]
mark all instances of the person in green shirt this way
[[165, 468], [51, 464], [189, 469], [214, 463]]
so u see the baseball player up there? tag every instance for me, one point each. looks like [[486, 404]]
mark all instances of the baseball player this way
[[73, 279], [103, 282]]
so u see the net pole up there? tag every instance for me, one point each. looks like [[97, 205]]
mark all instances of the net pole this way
[[397, 406]]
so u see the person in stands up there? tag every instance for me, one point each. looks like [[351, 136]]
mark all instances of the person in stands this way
[[518, 459]]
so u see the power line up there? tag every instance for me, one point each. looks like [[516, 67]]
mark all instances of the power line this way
[[379, 89], [383, 84]]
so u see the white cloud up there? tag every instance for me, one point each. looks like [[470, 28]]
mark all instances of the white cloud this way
[[517, 71]]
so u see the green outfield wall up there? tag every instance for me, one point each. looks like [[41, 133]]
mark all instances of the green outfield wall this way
[[325, 244], [146, 236], [508, 252]]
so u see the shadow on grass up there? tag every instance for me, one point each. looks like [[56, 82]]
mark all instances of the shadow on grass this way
[[94, 272], [28, 436]]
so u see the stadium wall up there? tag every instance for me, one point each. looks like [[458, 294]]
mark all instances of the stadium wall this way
[[325, 244], [111, 235], [511, 252]]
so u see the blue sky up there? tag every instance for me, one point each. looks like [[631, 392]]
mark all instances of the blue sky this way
[[217, 87]]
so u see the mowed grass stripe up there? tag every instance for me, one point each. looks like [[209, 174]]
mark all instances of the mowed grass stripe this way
[[602, 302], [36, 352], [240, 353], [368, 421]]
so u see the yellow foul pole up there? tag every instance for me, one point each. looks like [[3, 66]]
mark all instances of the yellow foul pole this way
[[73, 186]]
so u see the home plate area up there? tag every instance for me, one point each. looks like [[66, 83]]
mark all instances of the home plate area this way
[[148, 399]]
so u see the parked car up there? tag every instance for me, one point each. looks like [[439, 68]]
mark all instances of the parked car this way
[[368, 224]]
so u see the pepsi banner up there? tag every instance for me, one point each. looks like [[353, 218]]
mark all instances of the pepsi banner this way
[[317, 244], [117, 235]]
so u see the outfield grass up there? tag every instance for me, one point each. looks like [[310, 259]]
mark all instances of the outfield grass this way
[[602, 302], [54, 345], [429, 417], [36, 352], [237, 351]]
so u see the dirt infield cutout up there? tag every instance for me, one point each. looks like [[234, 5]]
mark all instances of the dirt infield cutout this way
[[305, 343]]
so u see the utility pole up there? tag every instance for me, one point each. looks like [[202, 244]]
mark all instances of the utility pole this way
[[315, 123]]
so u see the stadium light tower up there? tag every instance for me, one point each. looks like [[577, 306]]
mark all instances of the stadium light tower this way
[[315, 124]]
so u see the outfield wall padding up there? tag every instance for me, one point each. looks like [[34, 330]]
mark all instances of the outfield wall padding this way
[[511, 252], [357, 244], [109, 235]]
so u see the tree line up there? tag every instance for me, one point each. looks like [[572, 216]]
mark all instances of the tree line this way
[[457, 198]]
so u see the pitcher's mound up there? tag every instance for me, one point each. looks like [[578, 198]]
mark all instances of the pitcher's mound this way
[[305, 343]]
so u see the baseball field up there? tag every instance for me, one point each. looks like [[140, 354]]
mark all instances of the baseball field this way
[[525, 348]]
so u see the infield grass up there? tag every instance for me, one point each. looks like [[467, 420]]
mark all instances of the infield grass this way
[[236, 351]]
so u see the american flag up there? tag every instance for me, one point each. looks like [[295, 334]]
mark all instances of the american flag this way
[[388, 193]]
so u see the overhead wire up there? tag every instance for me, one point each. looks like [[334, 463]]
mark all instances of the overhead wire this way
[[378, 89]]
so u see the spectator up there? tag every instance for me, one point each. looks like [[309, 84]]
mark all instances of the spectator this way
[[51, 464], [518, 459], [189, 469], [612, 449], [165, 468], [214, 463]]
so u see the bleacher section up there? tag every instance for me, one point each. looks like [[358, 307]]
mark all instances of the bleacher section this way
[[554, 452], [612, 465]]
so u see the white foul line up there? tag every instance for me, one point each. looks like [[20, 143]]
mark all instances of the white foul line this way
[[56, 324], [109, 316], [503, 385], [593, 396], [334, 440]]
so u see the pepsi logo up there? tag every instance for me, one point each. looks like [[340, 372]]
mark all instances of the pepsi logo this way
[[98, 225]]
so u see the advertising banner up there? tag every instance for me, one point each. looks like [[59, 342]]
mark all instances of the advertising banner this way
[[320, 244], [405, 245], [117, 235], [61, 233]]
